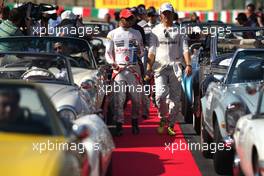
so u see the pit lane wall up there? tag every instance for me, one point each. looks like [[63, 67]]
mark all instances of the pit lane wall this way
[[224, 16]]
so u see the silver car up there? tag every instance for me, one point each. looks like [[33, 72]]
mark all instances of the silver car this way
[[248, 141], [54, 74], [86, 74], [229, 95]]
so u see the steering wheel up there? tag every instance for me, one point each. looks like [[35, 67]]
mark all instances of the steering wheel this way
[[74, 63], [37, 73]]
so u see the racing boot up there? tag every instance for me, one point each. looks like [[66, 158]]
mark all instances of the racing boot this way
[[171, 131], [119, 129], [161, 125], [135, 128]]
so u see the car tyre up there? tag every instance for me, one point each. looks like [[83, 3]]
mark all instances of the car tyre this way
[[237, 171], [205, 140], [221, 156], [187, 111], [197, 115], [255, 160]]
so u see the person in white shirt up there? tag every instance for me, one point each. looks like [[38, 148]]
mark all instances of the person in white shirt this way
[[123, 50], [167, 50]]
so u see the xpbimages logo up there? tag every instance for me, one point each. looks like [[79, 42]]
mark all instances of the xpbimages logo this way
[[63, 146], [147, 89], [202, 30], [81, 30]]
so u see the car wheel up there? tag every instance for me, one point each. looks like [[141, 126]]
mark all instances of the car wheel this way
[[221, 156], [256, 167], [187, 109], [205, 140], [236, 167], [197, 115]]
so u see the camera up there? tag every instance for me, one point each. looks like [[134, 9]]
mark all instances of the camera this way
[[35, 11]]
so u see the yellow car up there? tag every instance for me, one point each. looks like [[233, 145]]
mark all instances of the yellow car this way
[[33, 139]]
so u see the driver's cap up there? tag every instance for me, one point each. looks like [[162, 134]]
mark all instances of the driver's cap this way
[[166, 7]]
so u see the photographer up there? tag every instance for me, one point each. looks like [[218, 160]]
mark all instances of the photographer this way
[[68, 24], [11, 26]]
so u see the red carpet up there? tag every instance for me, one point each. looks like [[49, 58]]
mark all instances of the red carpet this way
[[145, 154]]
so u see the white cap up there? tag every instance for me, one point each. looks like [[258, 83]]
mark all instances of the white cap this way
[[166, 7], [68, 15]]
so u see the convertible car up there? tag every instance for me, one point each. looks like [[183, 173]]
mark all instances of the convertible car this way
[[248, 139], [85, 72], [53, 73], [213, 58], [223, 96], [196, 41], [34, 139]]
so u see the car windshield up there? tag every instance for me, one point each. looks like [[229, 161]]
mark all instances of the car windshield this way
[[248, 66], [22, 111], [37, 67], [79, 50], [229, 42]]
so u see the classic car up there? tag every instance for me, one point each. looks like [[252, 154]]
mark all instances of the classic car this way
[[214, 57], [248, 139], [86, 73], [34, 139], [53, 73], [246, 67], [197, 36], [249, 153]]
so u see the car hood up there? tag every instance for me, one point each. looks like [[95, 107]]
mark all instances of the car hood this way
[[18, 156], [240, 91]]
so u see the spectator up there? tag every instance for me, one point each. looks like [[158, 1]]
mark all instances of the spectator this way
[[11, 26], [5, 13], [152, 17], [251, 15], [117, 19], [135, 24], [68, 24], [195, 18], [142, 16], [176, 19], [243, 21], [260, 17], [107, 19], [55, 22]]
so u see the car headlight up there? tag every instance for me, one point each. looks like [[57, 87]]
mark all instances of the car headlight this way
[[233, 112], [68, 114]]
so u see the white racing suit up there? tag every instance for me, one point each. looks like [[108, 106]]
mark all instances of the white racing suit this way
[[127, 76], [168, 47]]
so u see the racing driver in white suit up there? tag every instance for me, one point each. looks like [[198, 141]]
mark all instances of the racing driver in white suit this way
[[124, 47]]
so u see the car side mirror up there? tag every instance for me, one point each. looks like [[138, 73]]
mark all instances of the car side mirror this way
[[80, 131]]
